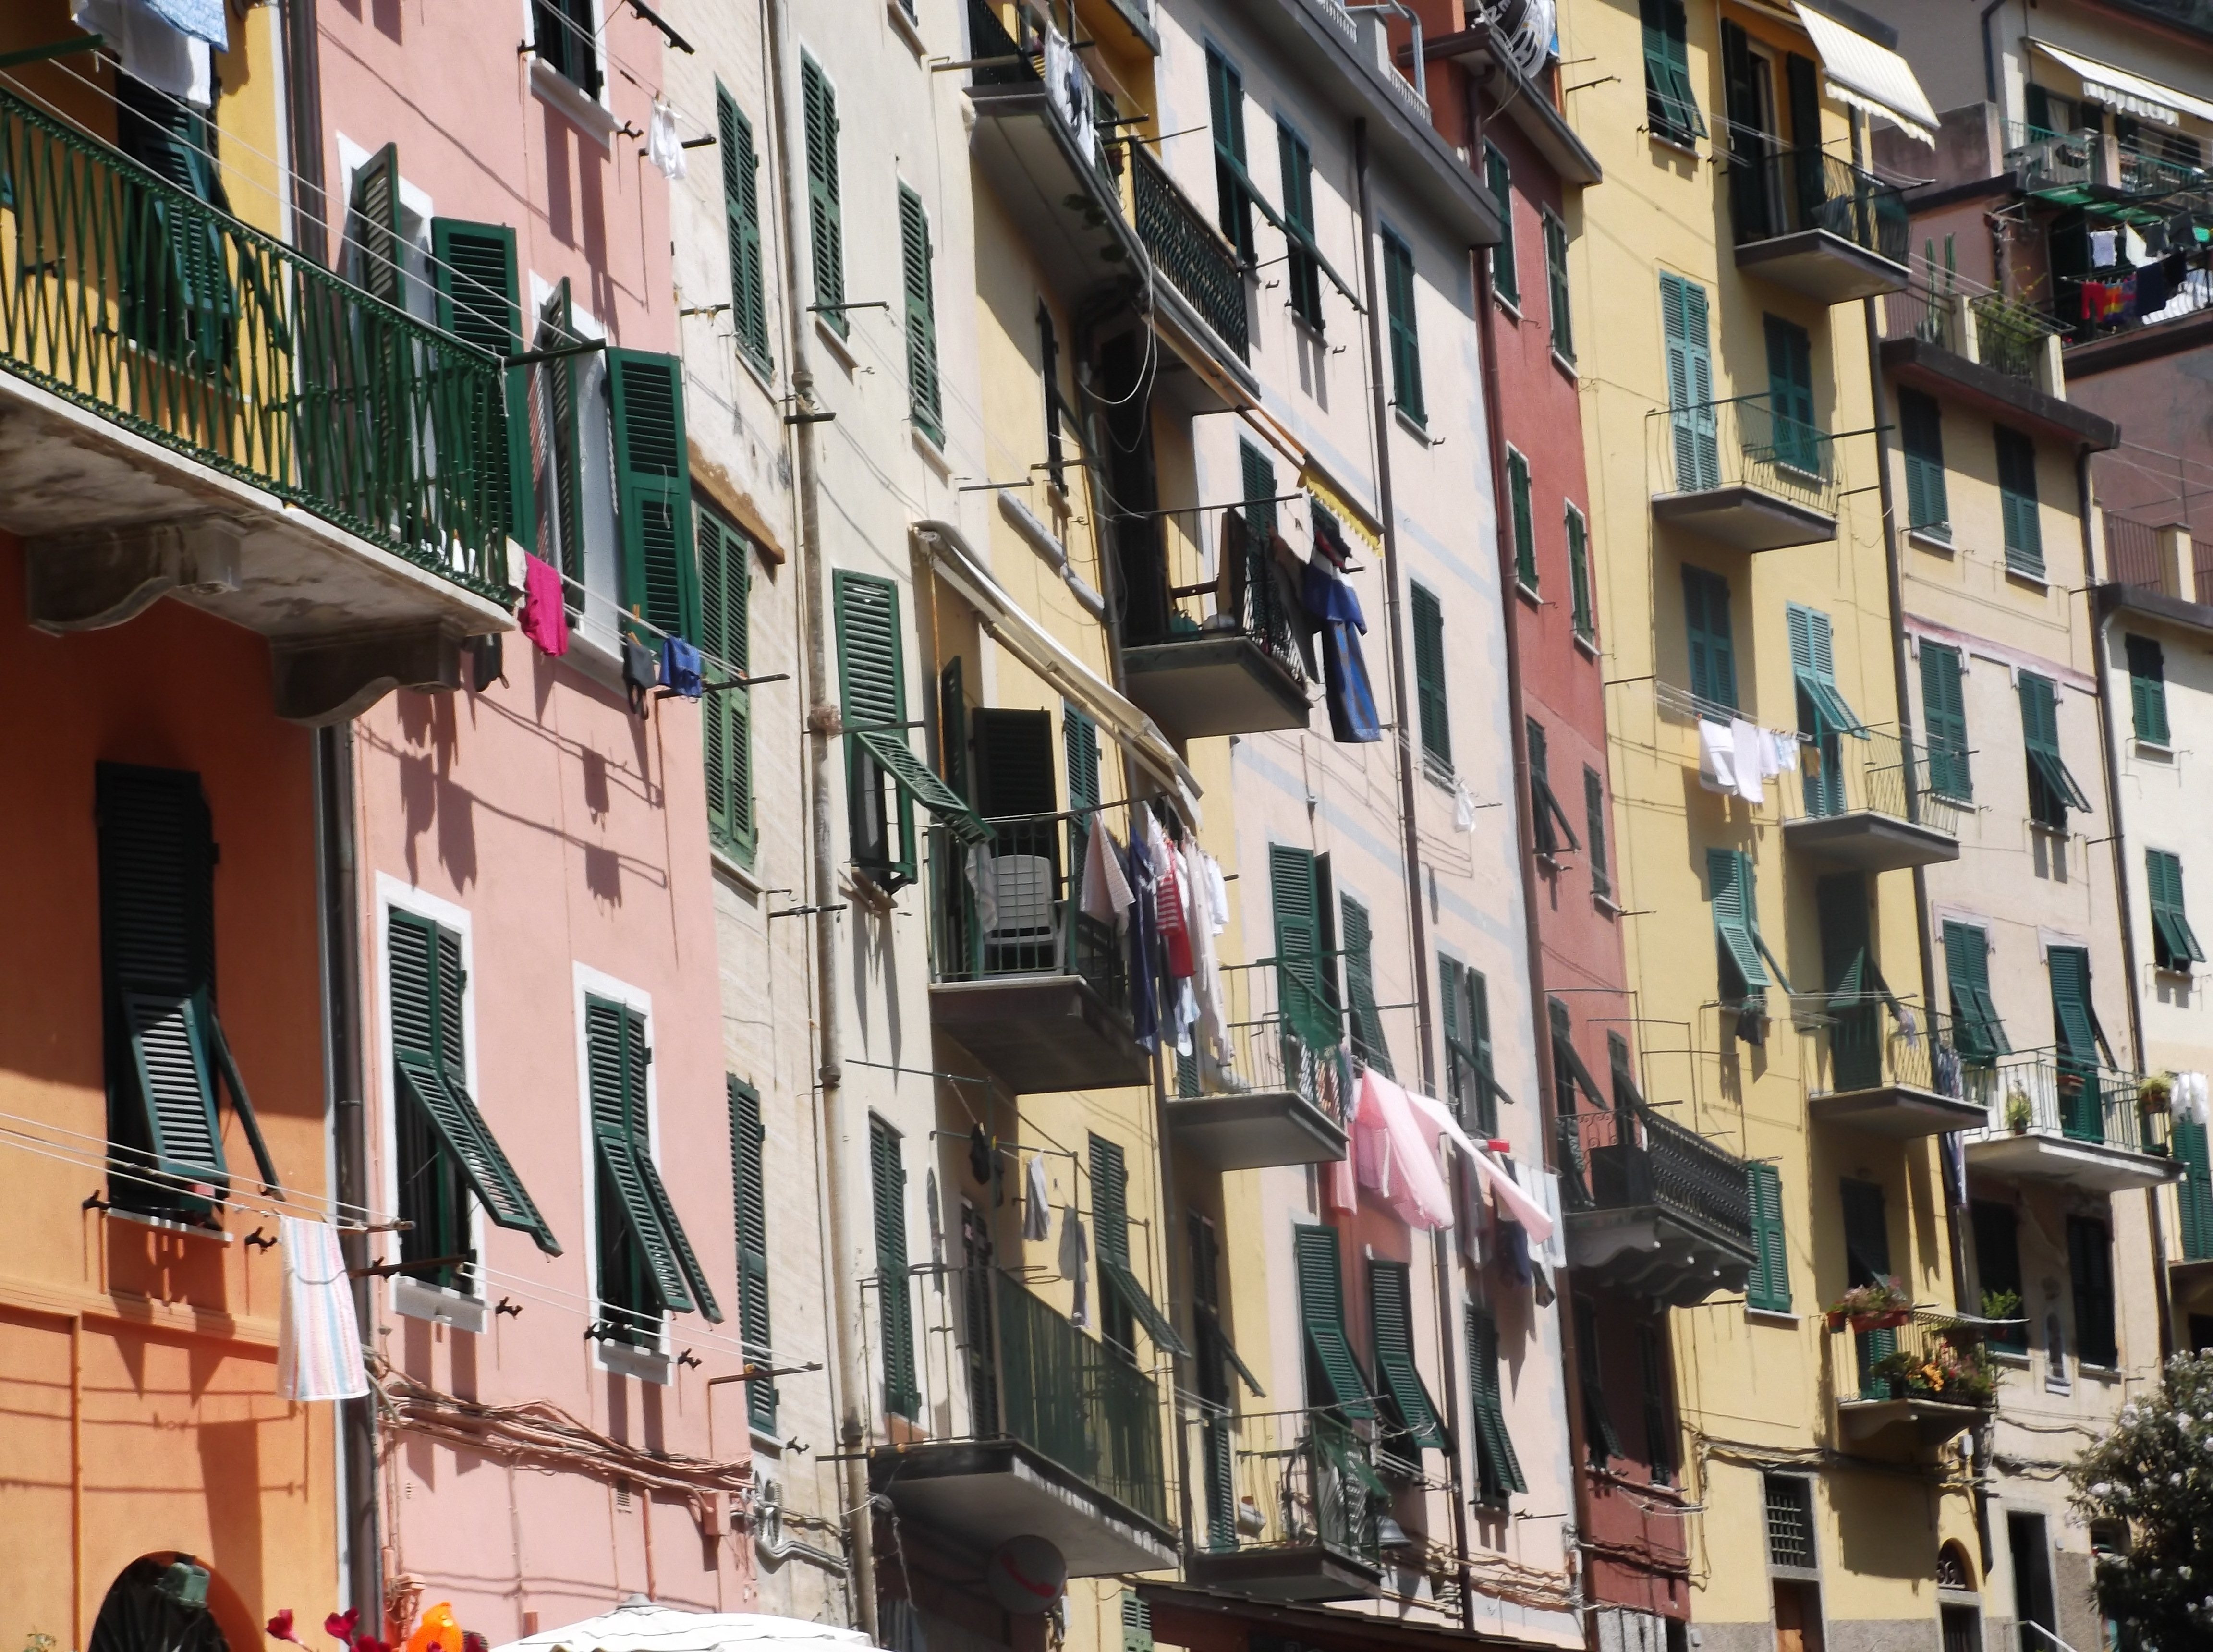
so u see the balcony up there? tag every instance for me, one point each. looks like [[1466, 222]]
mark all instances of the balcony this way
[[2048, 1118], [1652, 1208], [1815, 223], [191, 409], [1280, 1099], [1911, 1386], [1738, 472], [1864, 1073], [2083, 168], [1988, 352], [1863, 801], [1200, 305], [1062, 1436], [1290, 1508], [2159, 572], [1033, 988]]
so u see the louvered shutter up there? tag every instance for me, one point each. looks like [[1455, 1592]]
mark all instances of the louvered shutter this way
[[1525, 529], [1110, 1201], [1429, 676], [1391, 1328], [1079, 739], [741, 219], [749, 1185], [376, 228], [1225, 97], [2039, 728], [1505, 275], [1790, 394], [1398, 291], [474, 271], [1841, 901], [1333, 1374], [1478, 1038], [1556, 277], [1580, 612], [1360, 985], [2024, 535], [1977, 1033], [871, 667], [2148, 688], [1712, 651], [726, 638], [1458, 1083], [1594, 831], [1944, 721], [2072, 1020], [653, 486], [825, 217], [1728, 881], [614, 1037], [2178, 943], [1257, 472], [1921, 432], [1769, 1287], [1867, 1261], [1137, 1616], [1498, 1470], [1303, 998], [922, 397], [2195, 1191], [895, 1314], [1688, 337]]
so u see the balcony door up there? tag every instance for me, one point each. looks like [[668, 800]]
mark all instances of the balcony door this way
[[1855, 1025], [1748, 84], [981, 1344]]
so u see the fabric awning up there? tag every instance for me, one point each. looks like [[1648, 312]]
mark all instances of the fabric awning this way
[[958, 565], [1354, 522], [1870, 76], [2147, 100]]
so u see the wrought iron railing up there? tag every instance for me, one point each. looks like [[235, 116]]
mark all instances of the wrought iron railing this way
[[1875, 773], [1627, 1157], [1286, 1034], [1296, 1480], [2046, 1093], [1235, 587], [1930, 1357], [2005, 335], [132, 298], [1190, 252], [1775, 193], [1707, 446], [1010, 908], [1004, 57], [1867, 1040]]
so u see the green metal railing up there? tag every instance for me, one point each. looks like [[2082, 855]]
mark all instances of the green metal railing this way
[[1857, 1041], [1067, 1396], [1285, 1034], [1009, 908], [2047, 1093], [2008, 336], [1785, 191], [1931, 1357], [1872, 772], [1190, 251], [132, 298], [1288, 1480], [1710, 445]]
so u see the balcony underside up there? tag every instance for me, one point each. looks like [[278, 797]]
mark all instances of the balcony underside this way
[[1869, 841], [1745, 517], [986, 1492], [1202, 685], [1649, 1251], [1310, 1571], [1917, 1425], [2047, 1156], [1055, 198], [1930, 367], [1821, 265], [1198, 373], [1040, 1033], [1901, 1110], [1254, 1131]]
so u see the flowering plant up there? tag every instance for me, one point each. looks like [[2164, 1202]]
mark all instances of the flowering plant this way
[[1873, 1307], [2153, 1474]]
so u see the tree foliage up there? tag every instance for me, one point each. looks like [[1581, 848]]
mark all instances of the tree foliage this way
[[2153, 1473]]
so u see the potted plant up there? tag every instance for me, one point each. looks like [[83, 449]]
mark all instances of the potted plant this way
[[2018, 1112], [2155, 1093], [2001, 1305], [1879, 1306]]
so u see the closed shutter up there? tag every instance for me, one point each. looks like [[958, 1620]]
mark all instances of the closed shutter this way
[[1600, 1439], [375, 227], [2148, 688], [1556, 275], [1768, 1288], [2024, 535], [895, 1312], [1307, 1005], [726, 715], [1225, 97], [1944, 721], [1498, 1471], [825, 226], [1841, 902], [1580, 614], [1921, 435], [1732, 893], [1304, 271], [1360, 986], [633, 1246], [1138, 1618], [1790, 396], [749, 1184], [741, 220], [1505, 278], [1406, 336], [1525, 529], [871, 667], [1430, 700], [1594, 831], [1391, 1328], [1333, 1374], [1977, 1033], [652, 489], [1712, 652], [2195, 1192], [1694, 437], [2090, 1263], [473, 270], [923, 401]]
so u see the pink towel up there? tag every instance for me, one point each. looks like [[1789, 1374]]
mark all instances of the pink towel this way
[[545, 611], [1395, 1159]]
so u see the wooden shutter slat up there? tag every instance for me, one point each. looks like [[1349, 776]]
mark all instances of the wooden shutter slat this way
[[895, 1313], [462, 1132], [741, 218], [1360, 984], [680, 1243], [824, 215], [1429, 676], [1321, 1311], [1391, 1332], [871, 665], [922, 397], [653, 488]]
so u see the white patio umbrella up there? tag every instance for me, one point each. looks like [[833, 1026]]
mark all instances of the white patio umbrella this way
[[641, 1626]]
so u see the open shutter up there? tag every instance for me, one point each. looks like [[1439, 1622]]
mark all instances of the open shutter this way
[[1391, 1329], [1812, 663], [1580, 612], [1360, 985], [1601, 1440], [472, 268], [2148, 688], [1429, 676], [895, 1315], [1525, 529], [727, 715], [922, 397], [1505, 276], [749, 1186], [741, 218], [1867, 1261], [1110, 1201], [1768, 1289], [375, 227], [1304, 1001], [1594, 831], [1729, 888], [1498, 1470], [1405, 336], [1921, 434], [1944, 721], [825, 223], [1712, 652], [1977, 1033], [614, 1036], [653, 486], [1225, 98], [2039, 728], [1013, 773], [695, 1277], [1333, 1374]]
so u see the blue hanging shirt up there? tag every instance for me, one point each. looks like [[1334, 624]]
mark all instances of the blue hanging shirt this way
[[679, 667]]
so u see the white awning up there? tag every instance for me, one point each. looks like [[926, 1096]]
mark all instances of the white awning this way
[[1870, 76], [639, 1625], [958, 566], [2147, 100]]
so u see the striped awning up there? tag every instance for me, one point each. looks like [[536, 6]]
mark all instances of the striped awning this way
[[1870, 76], [2147, 100]]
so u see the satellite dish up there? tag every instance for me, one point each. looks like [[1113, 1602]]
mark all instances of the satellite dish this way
[[1523, 29], [1027, 1574]]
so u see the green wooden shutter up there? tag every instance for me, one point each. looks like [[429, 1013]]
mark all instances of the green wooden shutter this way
[[1867, 1261], [1977, 1033], [826, 222], [1921, 435], [1841, 902], [653, 485], [1391, 1328], [1790, 394], [895, 1313], [1434, 709], [1712, 652], [2024, 533], [1449, 972], [1580, 614], [629, 1219], [2073, 1023], [1123, 1299], [1505, 278], [1110, 1201], [1079, 739], [749, 1184], [473, 269], [1556, 277], [1257, 471], [1498, 1470], [1333, 1374], [2090, 1266], [1225, 97], [1525, 529], [923, 401], [1360, 986], [1731, 892], [741, 219], [1303, 271], [1768, 1288], [1944, 721], [1671, 105], [2052, 791], [2196, 1190], [1406, 336], [1695, 441], [1304, 1001], [2148, 688], [727, 715], [871, 663], [2177, 948], [1600, 1439], [1594, 831], [378, 249]]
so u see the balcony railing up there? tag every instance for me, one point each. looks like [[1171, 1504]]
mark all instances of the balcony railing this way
[[2044, 1093], [1878, 773], [2165, 559], [1233, 587], [1994, 330], [1933, 1358], [1301, 1479], [1774, 192], [1286, 1034], [1708, 446], [1007, 909], [137, 301], [1002, 59], [2091, 162], [1189, 251], [1629, 1157], [1862, 1043]]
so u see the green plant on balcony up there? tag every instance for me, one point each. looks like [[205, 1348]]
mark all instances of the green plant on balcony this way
[[2018, 1112], [1879, 1305], [1952, 1373], [2001, 1305], [2155, 1093]]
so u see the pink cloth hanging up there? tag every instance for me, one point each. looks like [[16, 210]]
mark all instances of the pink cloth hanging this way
[[1395, 1159], [544, 607]]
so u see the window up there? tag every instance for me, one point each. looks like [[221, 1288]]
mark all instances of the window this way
[[1505, 278], [165, 1043], [2075, 1021], [1405, 336], [1498, 1470], [923, 398], [1658, 1419], [473, 281], [894, 1307], [563, 399], [1790, 1501], [1712, 654], [660, 578], [1594, 831], [1333, 1374], [2148, 688], [646, 1264], [1391, 1330], [1768, 1288], [1600, 1440], [1921, 434], [825, 223], [1434, 709], [2024, 535], [1735, 897], [1122, 1304], [1670, 105], [1525, 530], [565, 36], [1977, 1033], [749, 1183], [1302, 269], [2052, 789], [741, 223], [1556, 284], [1694, 442], [2195, 1191], [1548, 820], [1796, 438], [1944, 723], [2090, 1267], [1579, 579], [1567, 1064], [1306, 948], [2175, 944], [1225, 97], [1473, 1093], [726, 714], [1368, 1040], [1997, 1270], [1821, 707]]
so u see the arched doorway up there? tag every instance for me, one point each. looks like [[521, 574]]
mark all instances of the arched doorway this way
[[159, 1603]]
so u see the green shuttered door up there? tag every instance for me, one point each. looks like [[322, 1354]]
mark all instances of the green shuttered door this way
[[653, 486], [1333, 1374]]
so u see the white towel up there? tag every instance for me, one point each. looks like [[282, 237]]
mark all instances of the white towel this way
[[317, 1338], [153, 50], [662, 146], [984, 883], [2101, 249], [1745, 738], [1106, 893], [1778, 751], [1717, 756], [1463, 806], [1217, 893], [1037, 1202]]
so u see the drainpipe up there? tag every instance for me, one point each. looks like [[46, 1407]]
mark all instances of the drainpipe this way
[[823, 724], [1417, 929], [303, 82]]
